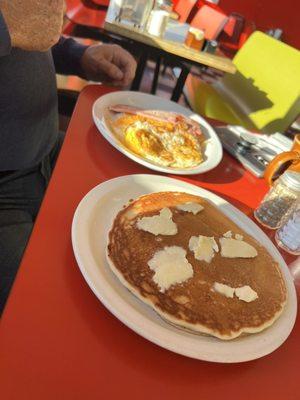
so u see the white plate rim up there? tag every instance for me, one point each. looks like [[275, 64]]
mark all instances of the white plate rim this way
[[206, 166], [106, 296]]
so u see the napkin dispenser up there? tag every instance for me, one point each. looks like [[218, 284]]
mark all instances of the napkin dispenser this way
[[132, 12], [254, 151]]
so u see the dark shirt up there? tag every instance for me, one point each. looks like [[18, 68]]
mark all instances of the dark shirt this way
[[28, 99]]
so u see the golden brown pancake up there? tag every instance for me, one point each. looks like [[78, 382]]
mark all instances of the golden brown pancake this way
[[194, 304]]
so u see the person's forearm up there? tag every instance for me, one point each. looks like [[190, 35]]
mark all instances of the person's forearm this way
[[67, 54], [5, 42]]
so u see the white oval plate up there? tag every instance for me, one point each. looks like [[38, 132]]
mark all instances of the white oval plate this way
[[213, 151], [91, 224]]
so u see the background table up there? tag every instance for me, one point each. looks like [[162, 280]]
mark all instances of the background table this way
[[172, 52], [57, 341], [144, 47], [174, 48]]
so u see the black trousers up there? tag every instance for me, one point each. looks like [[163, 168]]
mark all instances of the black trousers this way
[[21, 194]]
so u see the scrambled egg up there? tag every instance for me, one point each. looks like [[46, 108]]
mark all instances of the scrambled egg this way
[[161, 143]]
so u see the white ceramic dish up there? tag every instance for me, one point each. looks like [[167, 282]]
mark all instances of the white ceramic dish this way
[[91, 224], [213, 151]]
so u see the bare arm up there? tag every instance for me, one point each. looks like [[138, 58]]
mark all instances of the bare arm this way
[[33, 24]]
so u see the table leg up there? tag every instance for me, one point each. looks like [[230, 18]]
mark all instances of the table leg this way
[[139, 72], [180, 83], [156, 75]]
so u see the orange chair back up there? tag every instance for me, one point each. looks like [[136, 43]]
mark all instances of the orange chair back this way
[[183, 9], [210, 20]]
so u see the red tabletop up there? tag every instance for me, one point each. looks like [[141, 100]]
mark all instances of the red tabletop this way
[[57, 341]]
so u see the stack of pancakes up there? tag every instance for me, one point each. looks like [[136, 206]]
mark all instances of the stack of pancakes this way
[[194, 304]]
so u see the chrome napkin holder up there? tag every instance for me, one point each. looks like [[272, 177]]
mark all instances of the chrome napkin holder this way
[[253, 150]]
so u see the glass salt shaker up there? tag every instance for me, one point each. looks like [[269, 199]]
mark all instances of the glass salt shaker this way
[[279, 201], [288, 236]]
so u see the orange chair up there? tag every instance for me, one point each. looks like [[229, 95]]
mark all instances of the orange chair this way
[[87, 13], [210, 20], [235, 34], [183, 9]]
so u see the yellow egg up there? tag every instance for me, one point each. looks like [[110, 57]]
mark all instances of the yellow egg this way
[[187, 152], [142, 141], [156, 142]]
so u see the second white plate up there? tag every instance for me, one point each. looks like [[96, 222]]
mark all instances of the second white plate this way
[[91, 224], [213, 151]]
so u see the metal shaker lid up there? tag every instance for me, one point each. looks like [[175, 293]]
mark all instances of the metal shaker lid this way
[[291, 179]]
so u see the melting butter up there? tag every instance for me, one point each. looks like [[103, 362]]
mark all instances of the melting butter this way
[[236, 248], [224, 289], [171, 267], [244, 293], [228, 234], [190, 207], [161, 224], [204, 247]]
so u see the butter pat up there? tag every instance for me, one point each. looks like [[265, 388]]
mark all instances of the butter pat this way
[[171, 267], [239, 237], [246, 293], [228, 234], [204, 247], [224, 289], [233, 248], [161, 224], [190, 207]]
